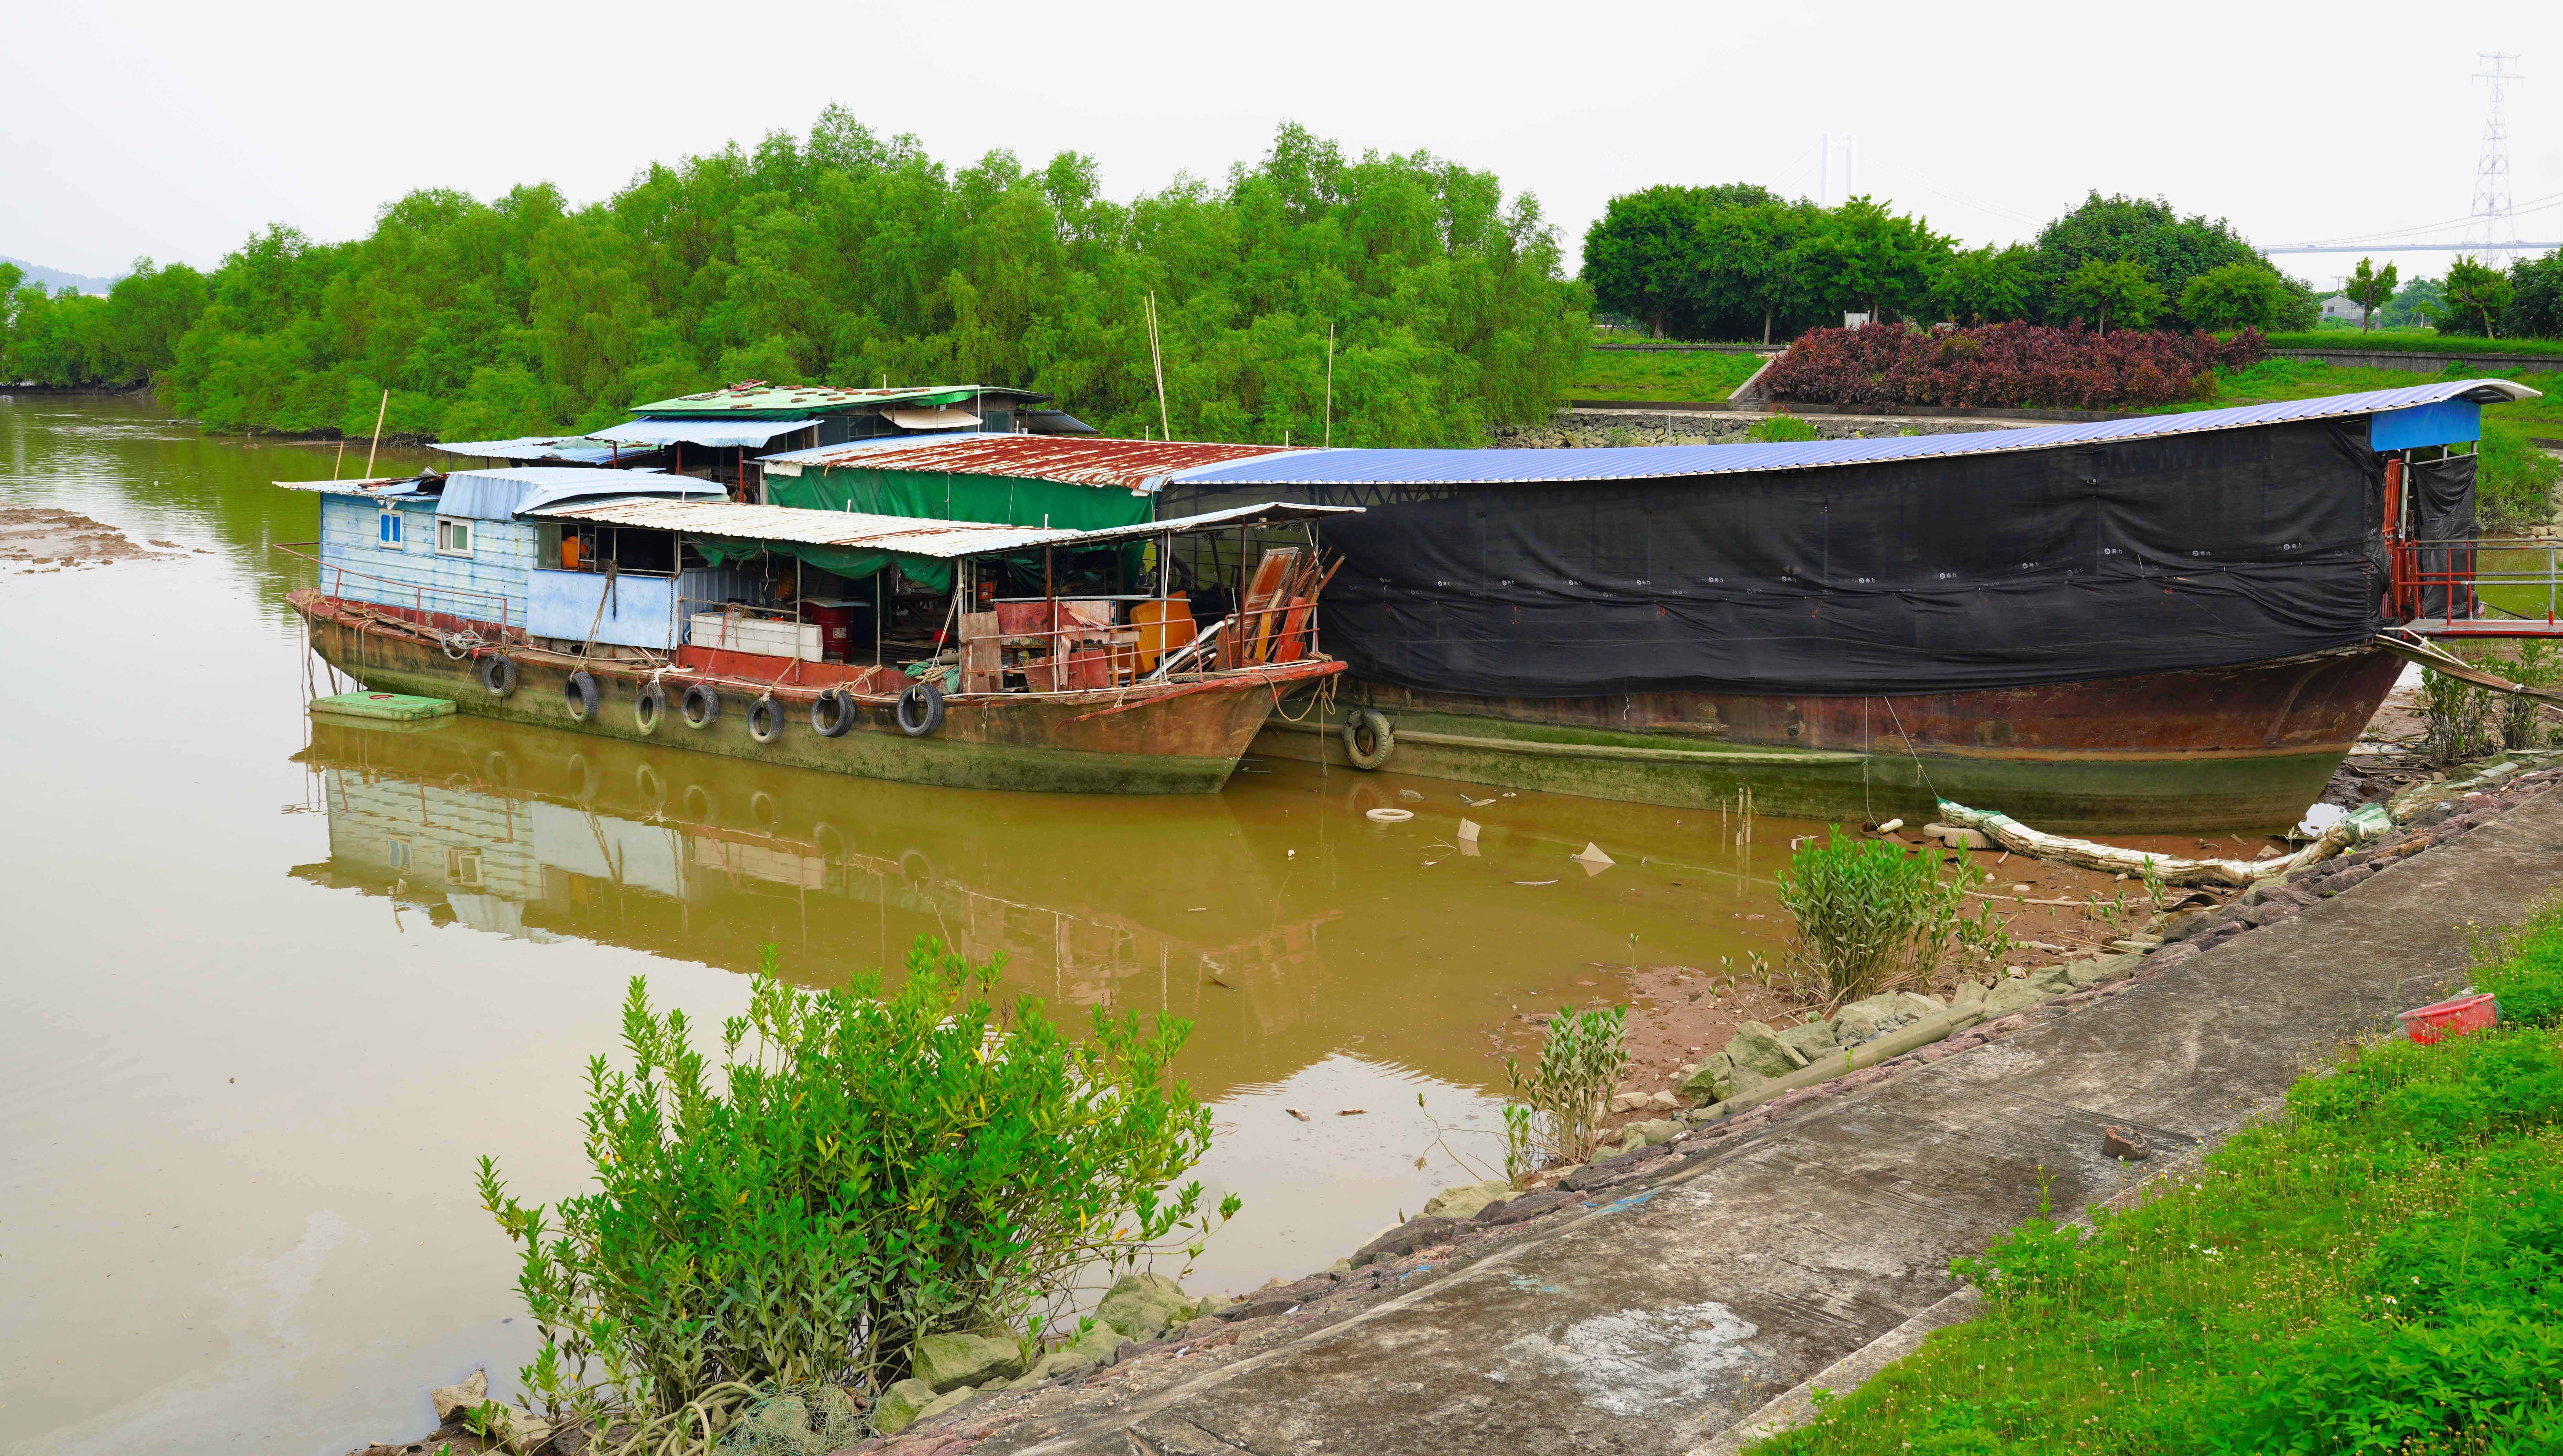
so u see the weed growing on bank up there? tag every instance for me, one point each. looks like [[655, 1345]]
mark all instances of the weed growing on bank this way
[[1560, 1104], [1873, 914], [2380, 1272], [876, 1166]]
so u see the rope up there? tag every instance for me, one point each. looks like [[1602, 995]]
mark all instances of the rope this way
[[1898, 721]]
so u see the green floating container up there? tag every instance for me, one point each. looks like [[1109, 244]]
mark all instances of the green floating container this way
[[393, 707]]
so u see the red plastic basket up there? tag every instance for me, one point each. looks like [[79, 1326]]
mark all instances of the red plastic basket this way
[[2450, 1017]]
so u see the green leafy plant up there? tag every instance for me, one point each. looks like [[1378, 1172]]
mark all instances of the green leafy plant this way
[[1873, 914], [1563, 1099], [2522, 722], [2455, 714], [1779, 429], [879, 1166]]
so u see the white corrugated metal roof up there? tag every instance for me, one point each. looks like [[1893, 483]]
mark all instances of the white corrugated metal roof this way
[[719, 433], [1510, 467], [907, 535]]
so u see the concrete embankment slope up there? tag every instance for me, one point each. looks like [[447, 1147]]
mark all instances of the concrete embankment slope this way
[[1657, 1323]]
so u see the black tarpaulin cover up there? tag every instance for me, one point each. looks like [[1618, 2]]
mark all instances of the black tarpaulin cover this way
[[1969, 572]]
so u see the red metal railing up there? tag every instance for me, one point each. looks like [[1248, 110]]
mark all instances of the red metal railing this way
[[2492, 586]]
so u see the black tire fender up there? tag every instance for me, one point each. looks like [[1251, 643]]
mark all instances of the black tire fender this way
[[1368, 739], [498, 674], [920, 709], [765, 720], [831, 712], [579, 690], [702, 706], [649, 706]]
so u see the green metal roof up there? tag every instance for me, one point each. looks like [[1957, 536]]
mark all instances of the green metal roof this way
[[754, 401]]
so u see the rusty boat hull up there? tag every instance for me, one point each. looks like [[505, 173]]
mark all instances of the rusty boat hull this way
[[1183, 738], [2237, 748]]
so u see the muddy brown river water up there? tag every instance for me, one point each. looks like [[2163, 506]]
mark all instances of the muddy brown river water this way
[[271, 987]]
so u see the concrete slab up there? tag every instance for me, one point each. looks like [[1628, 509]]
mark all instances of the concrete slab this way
[[1657, 1323]]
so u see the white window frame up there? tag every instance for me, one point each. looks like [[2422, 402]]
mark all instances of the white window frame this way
[[448, 529], [388, 529]]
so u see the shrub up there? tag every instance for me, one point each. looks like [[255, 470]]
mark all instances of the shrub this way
[[2007, 365], [1778, 427], [1871, 914], [883, 1167], [1565, 1097], [2457, 715]]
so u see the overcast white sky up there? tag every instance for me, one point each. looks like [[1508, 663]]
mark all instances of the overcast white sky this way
[[174, 129]]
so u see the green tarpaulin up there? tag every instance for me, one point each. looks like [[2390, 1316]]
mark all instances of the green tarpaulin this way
[[941, 496], [852, 563]]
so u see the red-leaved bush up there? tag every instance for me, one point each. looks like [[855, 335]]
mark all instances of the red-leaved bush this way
[[2017, 365]]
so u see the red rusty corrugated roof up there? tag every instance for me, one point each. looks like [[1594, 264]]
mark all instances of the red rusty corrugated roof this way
[[1133, 464]]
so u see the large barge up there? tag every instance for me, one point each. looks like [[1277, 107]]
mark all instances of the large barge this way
[[612, 604], [2163, 622]]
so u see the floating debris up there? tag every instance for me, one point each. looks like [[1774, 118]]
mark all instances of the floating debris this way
[[1388, 815], [1295, 1112]]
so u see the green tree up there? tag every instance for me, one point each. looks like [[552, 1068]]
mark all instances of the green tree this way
[[1862, 258], [2476, 293], [2102, 291], [2369, 288], [1670, 254], [1988, 286], [2419, 304], [2170, 248], [2234, 295], [2536, 298]]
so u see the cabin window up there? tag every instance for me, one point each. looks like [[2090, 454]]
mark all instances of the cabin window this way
[[452, 537], [400, 853], [463, 866], [390, 528]]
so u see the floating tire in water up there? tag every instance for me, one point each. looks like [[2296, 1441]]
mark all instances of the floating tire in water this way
[[831, 712], [649, 706], [702, 706], [1368, 739], [580, 692], [920, 709], [498, 674], [765, 720]]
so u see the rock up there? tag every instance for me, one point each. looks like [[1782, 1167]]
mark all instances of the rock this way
[[1758, 1048], [946, 1401], [1144, 1306], [2125, 1143], [1465, 1200], [946, 1362], [1657, 1131], [523, 1430], [1701, 1085], [1628, 1101], [1865, 1019], [454, 1401], [2010, 996], [1663, 1102], [1093, 1347], [1969, 994], [1957, 836], [2053, 980], [1345, 1266], [1404, 1239], [781, 1425], [1916, 1005], [2104, 968], [1258, 1306], [1811, 1040], [1529, 1206], [2347, 879], [2187, 923]]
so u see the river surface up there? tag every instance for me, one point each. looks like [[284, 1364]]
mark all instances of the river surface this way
[[271, 987]]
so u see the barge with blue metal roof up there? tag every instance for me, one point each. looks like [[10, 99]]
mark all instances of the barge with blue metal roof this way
[[2164, 623]]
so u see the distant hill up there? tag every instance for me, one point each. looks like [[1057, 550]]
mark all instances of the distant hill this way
[[55, 280]]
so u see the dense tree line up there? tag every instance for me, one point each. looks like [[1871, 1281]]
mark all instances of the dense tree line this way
[[1738, 262], [845, 258]]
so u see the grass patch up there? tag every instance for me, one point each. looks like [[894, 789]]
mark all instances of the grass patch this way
[[2382, 1271], [2413, 340], [1680, 378]]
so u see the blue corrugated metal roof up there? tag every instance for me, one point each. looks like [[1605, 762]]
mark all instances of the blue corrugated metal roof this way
[[498, 495], [1641, 462]]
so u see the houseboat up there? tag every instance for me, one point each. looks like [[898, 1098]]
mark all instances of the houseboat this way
[[1139, 658], [2162, 623]]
